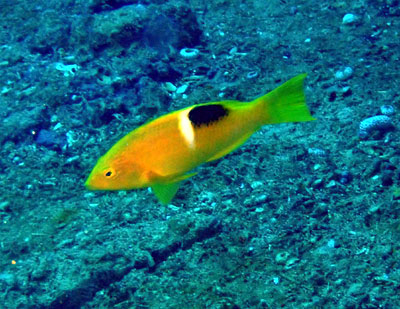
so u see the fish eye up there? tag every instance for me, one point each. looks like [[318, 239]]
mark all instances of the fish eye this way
[[109, 173]]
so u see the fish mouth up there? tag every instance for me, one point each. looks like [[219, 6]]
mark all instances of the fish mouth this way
[[94, 185]]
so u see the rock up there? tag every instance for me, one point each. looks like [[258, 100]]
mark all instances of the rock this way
[[18, 124], [123, 25], [51, 139]]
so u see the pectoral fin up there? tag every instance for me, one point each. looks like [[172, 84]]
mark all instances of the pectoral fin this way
[[165, 192], [166, 186]]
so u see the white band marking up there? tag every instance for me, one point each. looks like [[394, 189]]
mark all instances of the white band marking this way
[[186, 128]]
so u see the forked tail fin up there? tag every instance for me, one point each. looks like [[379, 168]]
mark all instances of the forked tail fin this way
[[284, 104]]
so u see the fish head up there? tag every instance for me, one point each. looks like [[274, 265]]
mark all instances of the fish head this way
[[116, 174]]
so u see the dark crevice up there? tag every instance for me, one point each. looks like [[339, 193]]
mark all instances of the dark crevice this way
[[102, 279]]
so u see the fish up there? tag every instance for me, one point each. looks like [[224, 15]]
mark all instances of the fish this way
[[163, 152]]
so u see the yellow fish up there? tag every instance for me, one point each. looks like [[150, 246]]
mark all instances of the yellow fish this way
[[161, 153]]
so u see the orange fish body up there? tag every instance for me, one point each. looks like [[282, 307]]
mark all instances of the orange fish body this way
[[160, 154]]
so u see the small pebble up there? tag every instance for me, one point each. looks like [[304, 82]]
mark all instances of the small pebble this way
[[291, 262], [189, 52], [256, 184], [331, 184], [345, 177], [170, 87], [281, 257], [387, 110], [349, 19], [316, 152], [67, 70], [181, 89], [331, 243], [233, 50], [346, 91], [317, 184], [344, 74], [252, 74], [4, 205], [261, 199]]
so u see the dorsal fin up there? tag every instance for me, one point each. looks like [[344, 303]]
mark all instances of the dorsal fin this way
[[207, 114]]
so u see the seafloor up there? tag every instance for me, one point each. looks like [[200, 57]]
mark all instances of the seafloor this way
[[304, 215]]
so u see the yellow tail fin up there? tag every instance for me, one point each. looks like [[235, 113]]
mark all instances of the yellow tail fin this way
[[284, 104]]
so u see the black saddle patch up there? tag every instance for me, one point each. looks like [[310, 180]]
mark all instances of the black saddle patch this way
[[207, 114]]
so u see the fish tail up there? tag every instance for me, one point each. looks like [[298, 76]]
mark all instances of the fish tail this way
[[284, 104]]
